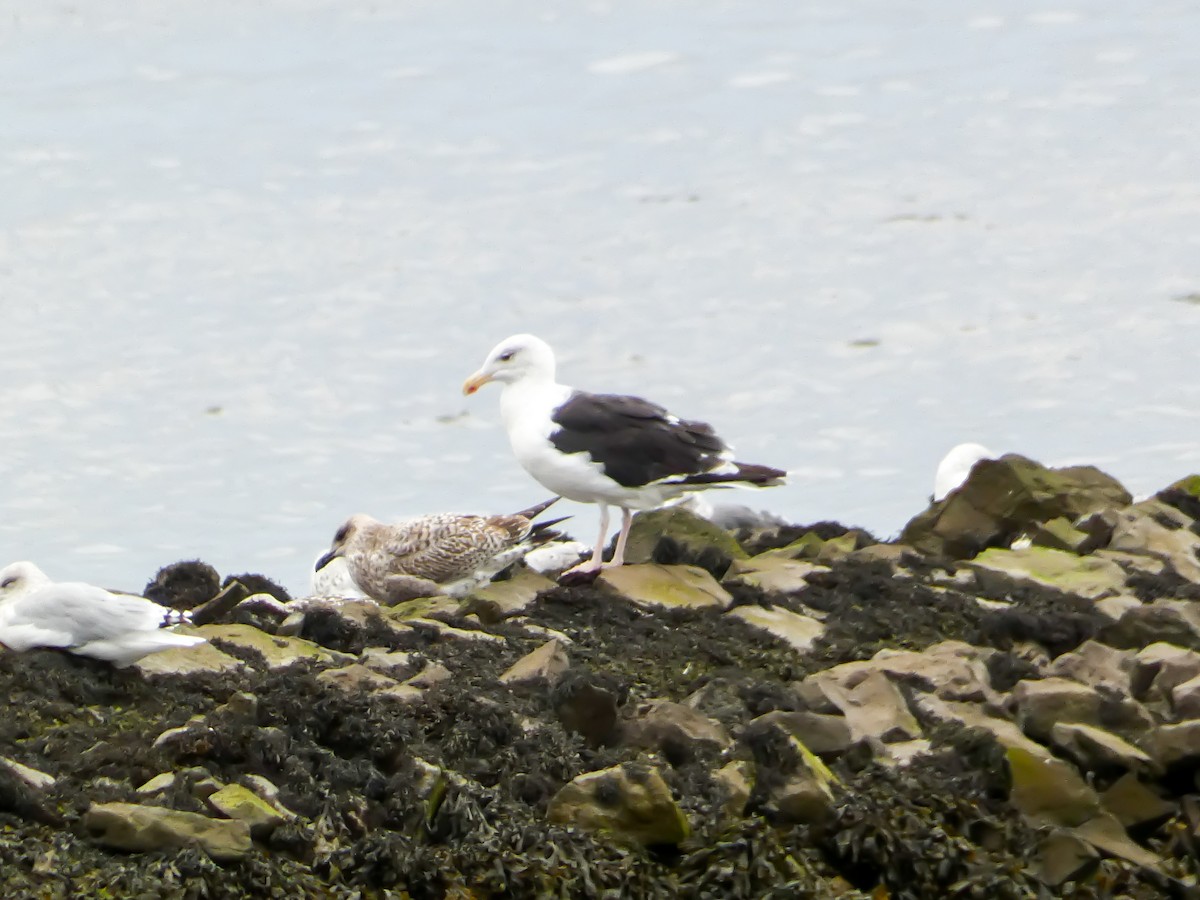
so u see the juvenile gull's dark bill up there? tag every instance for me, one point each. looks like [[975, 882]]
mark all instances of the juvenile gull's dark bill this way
[[82, 619], [429, 555], [606, 449]]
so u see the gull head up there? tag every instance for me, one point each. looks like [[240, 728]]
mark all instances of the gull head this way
[[19, 578], [350, 529], [514, 359]]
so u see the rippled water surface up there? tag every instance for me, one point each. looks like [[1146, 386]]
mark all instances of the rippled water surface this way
[[248, 252]]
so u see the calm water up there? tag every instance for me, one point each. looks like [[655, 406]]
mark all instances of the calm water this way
[[248, 252]]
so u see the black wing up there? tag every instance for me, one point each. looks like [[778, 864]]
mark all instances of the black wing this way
[[636, 441]]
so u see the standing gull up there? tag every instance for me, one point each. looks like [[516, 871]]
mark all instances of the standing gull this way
[[82, 619], [429, 555], [606, 449]]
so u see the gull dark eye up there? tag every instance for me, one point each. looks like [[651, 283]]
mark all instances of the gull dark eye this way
[[8, 582], [341, 534], [506, 355]]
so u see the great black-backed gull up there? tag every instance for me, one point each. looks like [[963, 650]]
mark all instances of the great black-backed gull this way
[[429, 555], [82, 619], [606, 449], [955, 466]]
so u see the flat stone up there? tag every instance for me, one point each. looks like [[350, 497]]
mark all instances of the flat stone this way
[[383, 660], [1105, 833], [1041, 704], [737, 782], [431, 675], [1085, 576], [875, 708], [128, 826], [359, 679], [422, 608], [954, 670], [1174, 744], [547, 663], [1185, 699], [773, 573], [157, 784], [1112, 608], [902, 753], [1060, 534], [799, 632], [1006, 734], [629, 802], [193, 660], [450, 631], [1134, 804], [1096, 750], [1140, 529], [1097, 665], [673, 727], [237, 802], [278, 652], [1162, 621], [499, 600], [670, 587], [1160, 668], [1064, 856], [35, 778], [827, 736]]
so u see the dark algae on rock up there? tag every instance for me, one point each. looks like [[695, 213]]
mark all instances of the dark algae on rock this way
[[894, 723]]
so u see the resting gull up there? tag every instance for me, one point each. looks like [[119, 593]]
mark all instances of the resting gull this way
[[82, 619], [955, 466], [605, 449], [429, 555]]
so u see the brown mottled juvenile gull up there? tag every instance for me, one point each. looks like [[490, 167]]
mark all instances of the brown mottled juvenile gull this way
[[82, 618], [437, 554]]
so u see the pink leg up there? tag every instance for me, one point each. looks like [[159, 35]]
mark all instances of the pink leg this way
[[597, 561], [619, 553]]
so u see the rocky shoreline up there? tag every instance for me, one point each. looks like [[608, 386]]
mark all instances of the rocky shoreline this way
[[1004, 702]]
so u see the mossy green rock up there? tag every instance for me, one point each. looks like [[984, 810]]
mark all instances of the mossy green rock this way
[[501, 599], [667, 586], [770, 572], [630, 803], [1086, 576], [237, 802], [1003, 498], [1048, 790], [276, 650], [188, 661], [695, 535], [129, 826]]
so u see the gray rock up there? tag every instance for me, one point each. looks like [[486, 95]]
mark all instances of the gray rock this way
[[874, 708], [1160, 668], [1085, 576], [825, 735], [1096, 664], [799, 632], [737, 782], [1063, 856], [1134, 804], [1096, 750], [1140, 529], [1174, 745], [673, 729], [547, 664], [1006, 497], [128, 826], [585, 706], [629, 802], [1162, 621], [360, 679], [1060, 534], [1042, 704], [1185, 699]]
